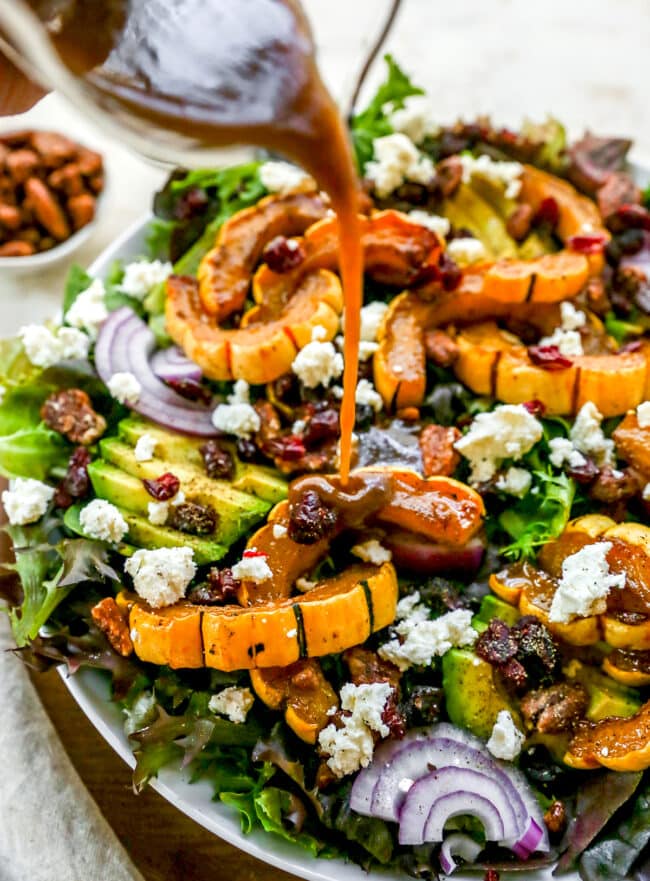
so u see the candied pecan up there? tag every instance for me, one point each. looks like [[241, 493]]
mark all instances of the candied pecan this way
[[81, 209], [618, 190], [437, 447], [21, 164], [67, 179], [613, 485], [496, 645], [10, 216], [54, 149], [449, 174], [89, 162], [441, 348], [514, 674], [283, 254], [393, 717], [322, 459], [593, 159], [555, 709], [108, 616], [366, 667], [310, 519], [596, 294], [535, 407], [548, 357], [193, 518], [219, 463], [191, 389], [163, 488], [221, 587], [555, 818], [270, 425], [70, 412], [519, 223], [46, 208], [537, 650], [16, 248]]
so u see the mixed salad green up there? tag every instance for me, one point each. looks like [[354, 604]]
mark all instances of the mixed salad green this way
[[460, 665]]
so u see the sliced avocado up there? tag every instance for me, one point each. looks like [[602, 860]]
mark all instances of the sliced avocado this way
[[606, 697], [238, 511], [265, 483], [469, 211], [533, 246], [472, 694], [145, 535], [493, 607]]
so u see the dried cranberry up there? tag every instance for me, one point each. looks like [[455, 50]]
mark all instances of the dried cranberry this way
[[496, 645], [287, 389], [535, 407], [310, 519], [191, 203], [583, 473], [450, 272], [393, 717], [423, 705], [631, 241], [587, 243], [632, 346], [537, 650], [220, 588], [555, 818], [193, 518], [629, 217], [549, 357], [76, 483], [491, 875], [514, 675], [283, 254], [191, 389], [289, 448], [323, 425], [219, 463], [163, 488], [548, 212]]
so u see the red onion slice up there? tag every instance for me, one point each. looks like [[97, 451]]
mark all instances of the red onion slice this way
[[460, 845], [172, 364], [366, 780], [125, 344], [418, 554]]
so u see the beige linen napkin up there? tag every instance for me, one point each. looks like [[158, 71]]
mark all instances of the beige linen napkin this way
[[50, 828]]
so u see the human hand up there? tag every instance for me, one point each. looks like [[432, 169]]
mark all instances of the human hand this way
[[17, 92]]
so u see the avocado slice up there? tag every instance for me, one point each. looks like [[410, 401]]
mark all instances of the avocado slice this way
[[493, 607], [469, 211], [261, 481], [606, 697], [146, 535], [472, 695], [238, 511]]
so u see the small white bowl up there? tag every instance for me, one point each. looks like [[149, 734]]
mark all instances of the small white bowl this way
[[46, 259]]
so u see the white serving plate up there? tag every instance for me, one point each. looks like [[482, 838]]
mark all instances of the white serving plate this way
[[91, 691]]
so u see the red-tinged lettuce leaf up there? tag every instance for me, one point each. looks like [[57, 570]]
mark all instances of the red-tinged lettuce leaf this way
[[612, 858], [598, 800], [84, 560]]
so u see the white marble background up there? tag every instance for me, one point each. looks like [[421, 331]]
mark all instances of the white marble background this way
[[586, 61]]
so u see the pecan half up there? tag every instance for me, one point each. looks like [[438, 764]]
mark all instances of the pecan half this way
[[71, 413], [108, 616]]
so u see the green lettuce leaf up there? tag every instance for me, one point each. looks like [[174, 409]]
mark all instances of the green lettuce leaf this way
[[538, 518], [373, 122], [77, 281]]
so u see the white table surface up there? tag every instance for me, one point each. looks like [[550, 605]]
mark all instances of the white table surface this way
[[584, 60]]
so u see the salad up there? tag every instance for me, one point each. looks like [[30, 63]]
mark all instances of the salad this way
[[444, 661]]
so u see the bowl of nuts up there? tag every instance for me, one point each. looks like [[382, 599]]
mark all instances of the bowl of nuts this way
[[50, 187]]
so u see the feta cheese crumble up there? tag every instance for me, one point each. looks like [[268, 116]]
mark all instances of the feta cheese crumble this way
[[124, 387], [142, 276], [372, 551], [568, 342], [252, 567], [366, 394], [279, 530], [585, 583], [564, 453], [157, 513], [643, 414], [646, 493], [515, 482], [415, 119], [101, 520], [351, 747], [507, 432], [372, 316], [572, 318], [45, 347], [238, 416], [284, 178], [466, 251], [507, 174], [506, 739], [317, 364], [161, 576], [234, 703], [89, 310], [26, 501], [396, 159], [435, 222], [145, 448], [588, 437], [419, 639]]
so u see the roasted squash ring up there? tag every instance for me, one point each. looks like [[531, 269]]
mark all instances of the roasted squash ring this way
[[262, 350], [633, 442], [225, 272], [494, 362], [338, 613], [617, 744]]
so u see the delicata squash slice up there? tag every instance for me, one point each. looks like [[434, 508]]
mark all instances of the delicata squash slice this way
[[625, 624], [617, 744], [338, 613]]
